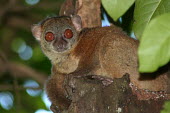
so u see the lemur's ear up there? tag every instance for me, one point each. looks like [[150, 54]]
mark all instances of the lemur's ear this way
[[76, 20], [36, 31]]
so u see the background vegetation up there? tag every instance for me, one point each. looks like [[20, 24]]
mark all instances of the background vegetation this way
[[23, 67]]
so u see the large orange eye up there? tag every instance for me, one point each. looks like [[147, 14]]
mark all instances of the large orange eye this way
[[49, 36], [68, 33]]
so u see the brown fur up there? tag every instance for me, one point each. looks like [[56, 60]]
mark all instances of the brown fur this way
[[111, 53], [104, 51]]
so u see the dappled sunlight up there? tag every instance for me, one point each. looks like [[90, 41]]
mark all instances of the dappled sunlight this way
[[32, 84], [47, 103], [105, 21], [24, 51], [43, 111], [32, 2], [46, 100], [6, 100], [26, 54]]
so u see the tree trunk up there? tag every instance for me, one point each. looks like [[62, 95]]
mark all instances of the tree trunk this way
[[91, 96]]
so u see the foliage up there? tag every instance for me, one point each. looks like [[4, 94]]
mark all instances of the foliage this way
[[154, 51], [117, 8], [145, 11], [166, 107]]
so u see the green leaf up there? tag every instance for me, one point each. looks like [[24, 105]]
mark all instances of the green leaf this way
[[145, 11], [166, 107], [116, 8], [154, 48]]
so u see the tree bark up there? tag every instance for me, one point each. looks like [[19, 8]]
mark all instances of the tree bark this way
[[88, 10], [91, 96]]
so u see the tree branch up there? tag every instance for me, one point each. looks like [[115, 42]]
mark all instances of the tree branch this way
[[21, 71], [7, 87]]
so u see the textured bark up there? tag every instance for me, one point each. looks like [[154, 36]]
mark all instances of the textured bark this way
[[91, 96], [88, 10]]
